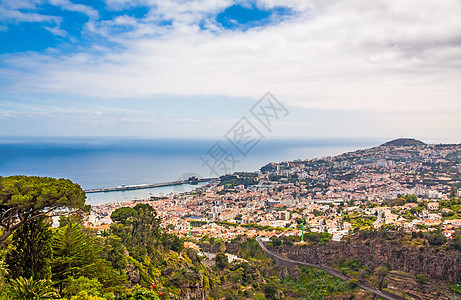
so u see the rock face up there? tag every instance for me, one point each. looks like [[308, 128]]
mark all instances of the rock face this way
[[437, 265], [404, 142]]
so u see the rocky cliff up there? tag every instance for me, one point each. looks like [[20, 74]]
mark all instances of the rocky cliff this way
[[437, 264]]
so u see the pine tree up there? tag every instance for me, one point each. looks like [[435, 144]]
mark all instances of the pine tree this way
[[31, 251], [77, 253]]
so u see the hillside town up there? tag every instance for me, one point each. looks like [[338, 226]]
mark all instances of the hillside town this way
[[409, 187]]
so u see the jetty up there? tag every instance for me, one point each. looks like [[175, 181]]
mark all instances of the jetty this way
[[191, 180]]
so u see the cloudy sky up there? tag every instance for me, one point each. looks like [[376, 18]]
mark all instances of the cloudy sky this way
[[161, 68]]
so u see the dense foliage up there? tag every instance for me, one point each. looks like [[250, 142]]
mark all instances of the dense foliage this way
[[236, 179], [31, 251], [316, 284], [26, 198], [257, 277], [135, 259]]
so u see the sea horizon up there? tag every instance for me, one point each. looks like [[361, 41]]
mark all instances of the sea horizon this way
[[109, 162]]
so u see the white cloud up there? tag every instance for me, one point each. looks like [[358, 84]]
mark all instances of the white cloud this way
[[56, 31], [18, 11], [383, 55], [16, 16], [68, 5], [21, 4]]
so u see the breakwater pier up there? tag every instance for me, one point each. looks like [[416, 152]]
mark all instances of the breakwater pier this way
[[191, 180]]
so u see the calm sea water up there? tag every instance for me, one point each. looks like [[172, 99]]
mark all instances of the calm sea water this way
[[108, 162]]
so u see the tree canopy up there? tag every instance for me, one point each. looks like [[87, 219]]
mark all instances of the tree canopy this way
[[26, 198], [76, 253], [31, 251], [123, 215]]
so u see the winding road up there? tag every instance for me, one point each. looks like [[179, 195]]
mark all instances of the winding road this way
[[325, 268]]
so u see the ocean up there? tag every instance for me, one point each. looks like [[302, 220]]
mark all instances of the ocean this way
[[110, 162]]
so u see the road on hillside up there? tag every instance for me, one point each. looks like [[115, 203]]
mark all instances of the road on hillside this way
[[325, 268]]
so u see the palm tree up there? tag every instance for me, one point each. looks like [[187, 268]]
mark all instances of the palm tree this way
[[30, 289]]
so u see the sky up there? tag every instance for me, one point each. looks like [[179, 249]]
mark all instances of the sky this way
[[194, 68]]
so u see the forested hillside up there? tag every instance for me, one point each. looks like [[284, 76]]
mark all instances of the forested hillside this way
[[134, 258]]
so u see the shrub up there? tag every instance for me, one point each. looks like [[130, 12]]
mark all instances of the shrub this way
[[421, 278], [140, 293], [23, 288], [354, 282], [270, 291], [436, 239], [457, 242]]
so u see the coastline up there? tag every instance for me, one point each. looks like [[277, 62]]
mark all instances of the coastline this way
[[112, 162], [128, 196]]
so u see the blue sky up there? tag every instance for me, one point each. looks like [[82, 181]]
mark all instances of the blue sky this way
[[192, 68]]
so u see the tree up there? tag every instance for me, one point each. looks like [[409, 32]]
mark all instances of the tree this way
[[76, 253], [457, 242], [73, 218], [221, 260], [276, 242], [172, 242], [141, 232], [26, 198], [381, 273], [114, 252], [31, 251], [453, 192], [436, 238], [410, 198], [421, 278], [123, 215]]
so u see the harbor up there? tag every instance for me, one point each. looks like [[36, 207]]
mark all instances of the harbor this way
[[190, 180]]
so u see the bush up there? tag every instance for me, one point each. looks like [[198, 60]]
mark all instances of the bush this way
[[75, 286], [23, 288], [270, 291], [83, 295], [421, 278], [315, 237], [456, 287], [436, 239], [457, 242], [354, 282], [140, 293], [276, 242]]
